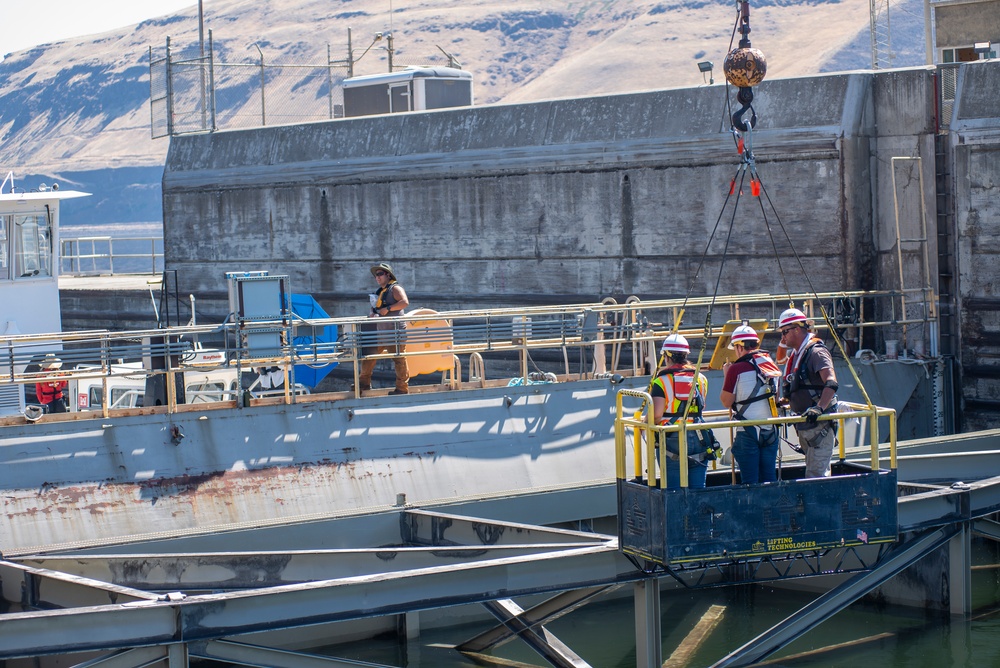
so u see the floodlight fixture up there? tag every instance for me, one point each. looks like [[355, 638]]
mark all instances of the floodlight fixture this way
[[706, 66]]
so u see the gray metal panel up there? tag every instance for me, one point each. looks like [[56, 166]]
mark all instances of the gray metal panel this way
[[220, 615]]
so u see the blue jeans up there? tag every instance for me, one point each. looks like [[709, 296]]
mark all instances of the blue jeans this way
[[755, 456], [696, 470]]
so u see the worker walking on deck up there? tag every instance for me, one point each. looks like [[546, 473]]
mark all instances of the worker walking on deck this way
[[670, 391], [390, 300], [51, 391], [810, 386], [750, 392]]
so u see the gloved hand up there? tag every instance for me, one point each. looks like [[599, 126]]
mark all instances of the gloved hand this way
[[812, 413]]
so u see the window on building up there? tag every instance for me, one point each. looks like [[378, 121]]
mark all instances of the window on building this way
[[965, 54]]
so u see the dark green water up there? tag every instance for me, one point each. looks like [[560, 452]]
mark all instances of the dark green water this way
[[603, 634]]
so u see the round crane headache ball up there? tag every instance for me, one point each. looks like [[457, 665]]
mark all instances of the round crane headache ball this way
[[745, 67]]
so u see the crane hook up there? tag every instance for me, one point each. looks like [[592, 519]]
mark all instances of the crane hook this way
[[745, 97]]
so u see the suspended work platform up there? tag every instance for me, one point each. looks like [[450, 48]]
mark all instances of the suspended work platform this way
[[725, 522]]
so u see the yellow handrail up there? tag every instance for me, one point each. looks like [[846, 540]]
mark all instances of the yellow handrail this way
[[650, 432]]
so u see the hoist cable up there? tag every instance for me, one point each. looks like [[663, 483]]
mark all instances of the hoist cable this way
[[822, 308]]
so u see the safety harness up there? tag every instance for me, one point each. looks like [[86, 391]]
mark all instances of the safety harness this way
[[798, 379], [765, 388], [682, 381]]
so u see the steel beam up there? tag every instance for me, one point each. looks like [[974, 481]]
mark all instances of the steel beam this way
[[132, 658], [960, 571], [948, 467], [537, 638], [543, 613], [988, 528], [214, 616], [177, 655], [836, 599], [47, 588], [254, 655], [231, 571], [648, 639], [960, 502], [423, 527]]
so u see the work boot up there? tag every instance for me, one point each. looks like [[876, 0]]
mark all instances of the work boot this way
[[405, 390], [364, 387]]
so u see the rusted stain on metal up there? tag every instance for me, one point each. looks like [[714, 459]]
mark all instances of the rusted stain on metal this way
[[237, 469]]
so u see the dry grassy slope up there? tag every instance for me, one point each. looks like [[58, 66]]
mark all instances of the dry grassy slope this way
[[83, 104]]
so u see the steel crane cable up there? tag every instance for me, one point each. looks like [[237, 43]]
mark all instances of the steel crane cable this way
[[740, 172], [826, 316]]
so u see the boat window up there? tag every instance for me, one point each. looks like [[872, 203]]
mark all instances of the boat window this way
[[125, 397], [200, 393], [32, 245]]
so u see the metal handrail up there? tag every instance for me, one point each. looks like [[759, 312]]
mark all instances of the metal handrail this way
[[515, 332], [102, 260], [645, 430]]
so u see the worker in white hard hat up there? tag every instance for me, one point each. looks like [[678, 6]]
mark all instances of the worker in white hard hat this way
[[810, 387], [750, 391], [51, 390], [671, 389]]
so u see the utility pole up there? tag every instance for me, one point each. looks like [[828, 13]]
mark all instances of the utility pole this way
[[201, 61]]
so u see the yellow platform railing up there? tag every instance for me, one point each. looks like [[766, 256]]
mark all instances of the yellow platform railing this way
[[645, 434]]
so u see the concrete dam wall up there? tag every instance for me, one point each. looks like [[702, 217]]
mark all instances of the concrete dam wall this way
[[579, 199]]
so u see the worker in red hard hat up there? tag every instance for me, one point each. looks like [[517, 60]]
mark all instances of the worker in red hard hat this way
[[750, 391], [810, 387]]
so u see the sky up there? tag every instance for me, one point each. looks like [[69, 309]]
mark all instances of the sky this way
[[25, 24]]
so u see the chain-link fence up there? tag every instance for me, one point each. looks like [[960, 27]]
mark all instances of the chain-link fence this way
[[194, 91]]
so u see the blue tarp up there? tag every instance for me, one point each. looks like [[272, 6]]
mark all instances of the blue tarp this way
[[311, 340]]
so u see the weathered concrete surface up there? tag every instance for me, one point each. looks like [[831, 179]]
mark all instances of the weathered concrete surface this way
[[974, 143], [556, 201], [579, 199]]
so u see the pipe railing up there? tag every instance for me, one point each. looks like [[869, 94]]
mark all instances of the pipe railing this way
[[96, 256], [647, 434], [507, 332]]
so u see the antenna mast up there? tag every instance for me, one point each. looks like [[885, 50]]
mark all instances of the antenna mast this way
[[881, 47]]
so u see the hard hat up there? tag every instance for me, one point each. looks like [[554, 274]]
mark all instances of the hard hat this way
[[791, 316], [675, 343], [742, 334], [51, 362]]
